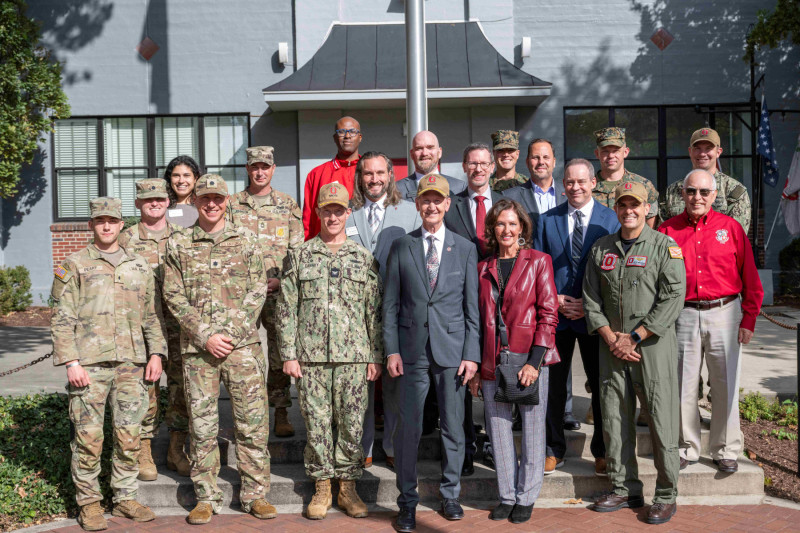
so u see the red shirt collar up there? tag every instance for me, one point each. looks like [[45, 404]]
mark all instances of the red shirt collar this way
[[339, 163], [704, 219]]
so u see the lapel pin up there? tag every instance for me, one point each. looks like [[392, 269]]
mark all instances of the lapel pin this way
[[448, 248]]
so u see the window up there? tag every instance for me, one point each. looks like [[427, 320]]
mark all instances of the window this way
[[658, 137], [104, 156]]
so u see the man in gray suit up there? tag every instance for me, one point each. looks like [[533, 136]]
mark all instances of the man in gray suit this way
[[380, 216], [426, 154], [430, 331]]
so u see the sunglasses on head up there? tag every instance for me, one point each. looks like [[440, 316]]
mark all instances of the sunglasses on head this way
[[691, 191]]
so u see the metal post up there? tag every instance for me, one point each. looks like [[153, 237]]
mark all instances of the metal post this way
[[754, 160], [416, 70], [798, 392]]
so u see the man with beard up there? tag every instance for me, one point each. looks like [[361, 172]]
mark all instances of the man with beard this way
[[426, 154]]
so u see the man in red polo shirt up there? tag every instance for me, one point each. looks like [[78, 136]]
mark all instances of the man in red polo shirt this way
[[341, 168], [723, 298]]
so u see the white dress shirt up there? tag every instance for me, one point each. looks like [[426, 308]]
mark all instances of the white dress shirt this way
[[438, 240], [545, 199], [473, 205], [586, 212]]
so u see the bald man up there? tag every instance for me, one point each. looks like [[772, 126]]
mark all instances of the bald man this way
[[426, 153]]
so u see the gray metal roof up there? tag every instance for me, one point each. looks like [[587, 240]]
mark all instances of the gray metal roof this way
[[371, 58]]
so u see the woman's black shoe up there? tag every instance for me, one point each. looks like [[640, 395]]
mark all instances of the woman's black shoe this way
[[521, 513], [501, 512]]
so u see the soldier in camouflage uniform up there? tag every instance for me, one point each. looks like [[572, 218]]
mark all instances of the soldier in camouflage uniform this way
[[277, 221], [732, 198], [505, 145], [330, 312], [215, 287], [148, 239], [611, 151], [105, 327]]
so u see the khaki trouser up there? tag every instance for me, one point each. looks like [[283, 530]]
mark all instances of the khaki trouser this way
[[712, 334]]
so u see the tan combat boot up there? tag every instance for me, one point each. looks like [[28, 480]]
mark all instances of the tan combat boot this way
[[133, 510], [283, 428], [147, 468], [91, 517], [176, 457], [262, 509], [201, 514], [321, 501], [349, 500]]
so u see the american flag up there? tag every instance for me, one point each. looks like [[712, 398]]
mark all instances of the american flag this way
[[764, 147]]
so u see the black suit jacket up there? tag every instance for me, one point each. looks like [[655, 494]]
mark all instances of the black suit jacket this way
[[459, 220], [408, 186]]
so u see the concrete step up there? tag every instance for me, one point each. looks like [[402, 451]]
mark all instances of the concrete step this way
[[576, 479]]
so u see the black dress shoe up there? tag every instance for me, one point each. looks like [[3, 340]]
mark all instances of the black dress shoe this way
[[468, 468], [660, 513], [570, 424], [406, 520], [521, 513], [686, 462], [501, 512], [452, 510], [727, 465]]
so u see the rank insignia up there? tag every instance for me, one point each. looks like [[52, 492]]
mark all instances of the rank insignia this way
[[215, 263], [675, 252], [334, 272], [636, 261], [722, 236], [609, 261]]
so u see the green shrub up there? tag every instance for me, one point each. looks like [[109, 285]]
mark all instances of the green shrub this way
[[754, 407], [15, 289], [130, 221]]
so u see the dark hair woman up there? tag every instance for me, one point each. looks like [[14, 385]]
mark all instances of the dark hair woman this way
[[181, 175], [519, 280]]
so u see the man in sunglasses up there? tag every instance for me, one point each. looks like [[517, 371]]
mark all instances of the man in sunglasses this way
[[723, 298], [731, 197], [342, 168]]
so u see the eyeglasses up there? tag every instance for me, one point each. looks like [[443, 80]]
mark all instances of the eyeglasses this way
[[691, 191], [476, 164], [345, 133]]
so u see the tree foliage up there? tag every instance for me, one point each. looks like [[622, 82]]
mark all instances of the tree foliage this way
[[772, 27], [31, 96]]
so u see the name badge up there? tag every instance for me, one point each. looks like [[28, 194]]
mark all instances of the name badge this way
[[352, 230], [175, 212], [637, 261]]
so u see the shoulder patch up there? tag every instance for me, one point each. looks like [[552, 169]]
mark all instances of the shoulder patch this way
[[737, 192], [62, 273], [675, 252]]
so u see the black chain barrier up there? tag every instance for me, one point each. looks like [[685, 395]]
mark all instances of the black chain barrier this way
[[23, 367]]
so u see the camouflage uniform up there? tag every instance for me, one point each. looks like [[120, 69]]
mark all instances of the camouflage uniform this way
[[140, 241], [502, 185], [732, 200], [501, 140], [215, 284], [107, 319], [329, 308], [279, 226]]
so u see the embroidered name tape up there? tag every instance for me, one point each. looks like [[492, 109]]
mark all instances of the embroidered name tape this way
[[636, 261]]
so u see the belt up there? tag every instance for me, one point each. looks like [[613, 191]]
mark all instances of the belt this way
[[710, 304]]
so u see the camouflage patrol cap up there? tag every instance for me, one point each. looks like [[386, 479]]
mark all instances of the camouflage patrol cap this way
[[261, 154], [333, 193], [433, 182], [705, 134], [610, 137], [151, 188], [105, 206], [502, 139], [631, 188], [211, 184]]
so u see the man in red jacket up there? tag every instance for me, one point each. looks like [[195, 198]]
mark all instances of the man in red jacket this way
[[723, 298], [341, 168]]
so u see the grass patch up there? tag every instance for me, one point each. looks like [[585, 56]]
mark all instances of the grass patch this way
[[35, 480], [755, 407]]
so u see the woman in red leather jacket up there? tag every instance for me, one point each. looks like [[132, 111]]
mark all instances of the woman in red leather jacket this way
[[522, 278]]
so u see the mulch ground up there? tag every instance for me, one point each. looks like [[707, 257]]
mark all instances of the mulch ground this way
[[32, 316], [778, 457]]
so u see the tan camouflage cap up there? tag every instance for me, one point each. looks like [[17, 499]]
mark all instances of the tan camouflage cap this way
[[261, 154], [433, 182], [705, 134], [633, 189], [105, 206], [610, 137], [151, 188], [211, 184], [333, 193], [502, 139]]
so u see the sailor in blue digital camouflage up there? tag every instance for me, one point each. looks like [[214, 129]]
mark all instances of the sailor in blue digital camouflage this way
[[276, 219], [330, 338], [106, 327], [215, 287], [148, 239], [732, 198], [505, 146], [611, 152]]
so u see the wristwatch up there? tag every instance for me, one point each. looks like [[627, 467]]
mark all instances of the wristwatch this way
[[636, 337]]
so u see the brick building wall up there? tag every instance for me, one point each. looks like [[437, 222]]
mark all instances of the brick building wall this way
[[68, 238]]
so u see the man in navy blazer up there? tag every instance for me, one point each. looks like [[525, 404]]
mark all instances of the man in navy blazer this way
[[380, 216], [431, 336], [567, 233], [426, 154]]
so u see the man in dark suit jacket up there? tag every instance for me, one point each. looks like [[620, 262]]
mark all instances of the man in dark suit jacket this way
[[542, 192], [567, 233], [380, 216], [426, 154], [431, 335]]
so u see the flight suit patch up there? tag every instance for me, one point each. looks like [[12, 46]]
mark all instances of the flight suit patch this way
[[636, 261], [609, 261], [675, 252]]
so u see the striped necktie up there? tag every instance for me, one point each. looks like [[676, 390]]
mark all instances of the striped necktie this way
[[577, 240], [372, 218]]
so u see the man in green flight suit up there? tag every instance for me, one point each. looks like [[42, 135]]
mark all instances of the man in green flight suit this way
[[633, 292]]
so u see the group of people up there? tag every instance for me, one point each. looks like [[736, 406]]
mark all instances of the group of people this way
[[397, 302]]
